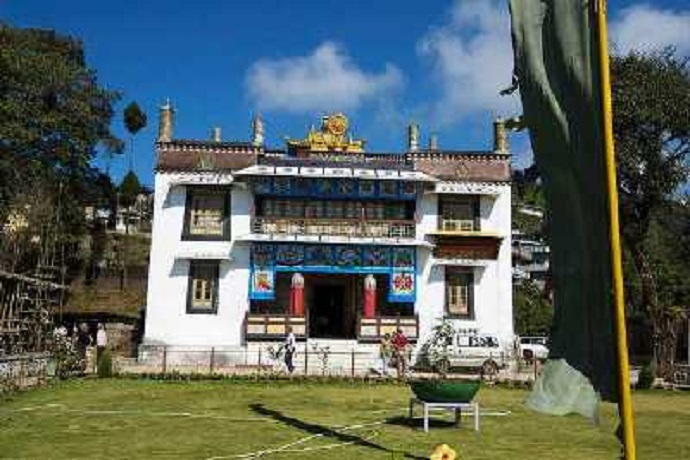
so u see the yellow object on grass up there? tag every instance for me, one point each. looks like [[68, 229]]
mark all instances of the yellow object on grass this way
[[444, 452]]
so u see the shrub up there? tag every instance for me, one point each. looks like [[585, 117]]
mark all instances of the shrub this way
[[69, 361], [646, 377], [105, 365]]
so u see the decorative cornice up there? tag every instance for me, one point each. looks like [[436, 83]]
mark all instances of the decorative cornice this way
[[187, 145]]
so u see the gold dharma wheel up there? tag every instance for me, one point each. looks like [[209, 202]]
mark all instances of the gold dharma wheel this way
[[337, 124]]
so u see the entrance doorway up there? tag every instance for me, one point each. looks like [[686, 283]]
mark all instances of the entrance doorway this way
[[331, 306]]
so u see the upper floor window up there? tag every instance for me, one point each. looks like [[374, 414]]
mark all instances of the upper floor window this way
[[207, 215], [459, 213], [459, 294], [203, 287]]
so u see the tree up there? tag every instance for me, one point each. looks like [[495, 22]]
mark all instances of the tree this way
[[135, 121], [53, 118], [129, 188], [651, 105], [533, 311]]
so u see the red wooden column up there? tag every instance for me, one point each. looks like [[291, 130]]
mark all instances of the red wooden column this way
[[297, 295], [369, 296]]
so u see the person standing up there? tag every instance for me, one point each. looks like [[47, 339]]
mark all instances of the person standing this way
[[101, 342], [290, 346], [84, 343], [400, 346], [385, 353]]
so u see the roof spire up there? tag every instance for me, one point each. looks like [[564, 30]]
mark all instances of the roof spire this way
[[257, 131], [165, 122]]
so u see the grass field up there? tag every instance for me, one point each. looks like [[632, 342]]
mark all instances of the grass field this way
[[225, 420]]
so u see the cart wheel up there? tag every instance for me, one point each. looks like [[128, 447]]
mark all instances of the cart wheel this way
[[489, 369]]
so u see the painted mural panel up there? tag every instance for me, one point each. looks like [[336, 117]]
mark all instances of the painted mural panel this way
[[262, 284], [376, 257], [397, 262], [318, 256], [403, 258], [262, 255], [402, 287], [289, 255], [347, 256]]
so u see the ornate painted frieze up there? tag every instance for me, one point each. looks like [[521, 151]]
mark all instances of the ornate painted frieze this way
[[398, 262]]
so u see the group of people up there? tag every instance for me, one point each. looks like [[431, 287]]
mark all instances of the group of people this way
[[82, 339], [394, 352]]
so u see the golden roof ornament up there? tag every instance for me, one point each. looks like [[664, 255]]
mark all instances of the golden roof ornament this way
[[331, 137]]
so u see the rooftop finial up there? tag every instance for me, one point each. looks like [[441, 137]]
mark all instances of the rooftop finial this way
[[165, 122], [257, 131], [216, 134], [500, 136], [433, 142], [413, 137]]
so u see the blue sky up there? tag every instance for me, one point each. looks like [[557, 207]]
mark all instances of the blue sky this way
[[384, 63]]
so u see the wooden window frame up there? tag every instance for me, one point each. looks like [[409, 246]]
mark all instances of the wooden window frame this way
[[459, 274], [444, 202], [195, 265], [226, 235]]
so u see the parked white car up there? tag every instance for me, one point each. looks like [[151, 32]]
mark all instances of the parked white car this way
[[533, 347], [479, 351]]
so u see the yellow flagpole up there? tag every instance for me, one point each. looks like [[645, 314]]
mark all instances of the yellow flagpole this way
[[624, 398]]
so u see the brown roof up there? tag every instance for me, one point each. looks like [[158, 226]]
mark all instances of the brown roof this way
[[463, 166], [192, 155]]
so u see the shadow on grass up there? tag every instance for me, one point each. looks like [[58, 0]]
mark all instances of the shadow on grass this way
[[313, 428], [416, 423]]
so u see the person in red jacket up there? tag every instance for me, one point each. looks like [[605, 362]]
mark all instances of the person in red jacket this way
[[400, 347]]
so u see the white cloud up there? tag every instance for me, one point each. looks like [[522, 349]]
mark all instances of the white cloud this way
[[472, 59], [324, 80], [645, 28]]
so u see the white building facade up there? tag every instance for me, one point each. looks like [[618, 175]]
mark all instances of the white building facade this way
[[322, 238]]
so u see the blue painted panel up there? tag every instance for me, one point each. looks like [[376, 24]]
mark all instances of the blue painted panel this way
[[334, 188]]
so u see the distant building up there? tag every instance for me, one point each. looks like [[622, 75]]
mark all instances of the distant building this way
[[530, 260], [531, 254], [340, 244], [136, 218]]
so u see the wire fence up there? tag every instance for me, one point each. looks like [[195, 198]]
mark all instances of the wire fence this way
[[312, 361]]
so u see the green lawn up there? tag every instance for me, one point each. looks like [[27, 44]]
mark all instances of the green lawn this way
[[203, 420]]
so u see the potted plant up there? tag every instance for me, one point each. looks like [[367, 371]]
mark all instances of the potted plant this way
[[434, 357]]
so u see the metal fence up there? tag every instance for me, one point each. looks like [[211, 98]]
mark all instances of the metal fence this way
[[260, 359], [307, 360], [681, 376]]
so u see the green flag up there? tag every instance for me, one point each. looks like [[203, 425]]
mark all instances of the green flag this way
[[557, 71]]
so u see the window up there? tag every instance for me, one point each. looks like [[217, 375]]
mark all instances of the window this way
[[459, 294], [207, 215], [203, 287], [459, 213]]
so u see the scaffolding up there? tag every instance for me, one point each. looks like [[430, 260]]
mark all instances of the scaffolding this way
[[27, 307]]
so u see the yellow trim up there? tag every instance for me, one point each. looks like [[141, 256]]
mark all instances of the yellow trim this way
[[624, 398]]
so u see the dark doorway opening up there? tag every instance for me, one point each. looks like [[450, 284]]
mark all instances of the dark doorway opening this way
[[326, 315], [330, 300]]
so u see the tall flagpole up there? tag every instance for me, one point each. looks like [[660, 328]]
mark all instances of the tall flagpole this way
[[624, 398]]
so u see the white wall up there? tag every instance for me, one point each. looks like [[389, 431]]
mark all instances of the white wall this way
[[493, 304], [167, 321]]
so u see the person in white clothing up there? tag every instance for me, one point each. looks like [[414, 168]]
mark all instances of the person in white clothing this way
[[101, 341]]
